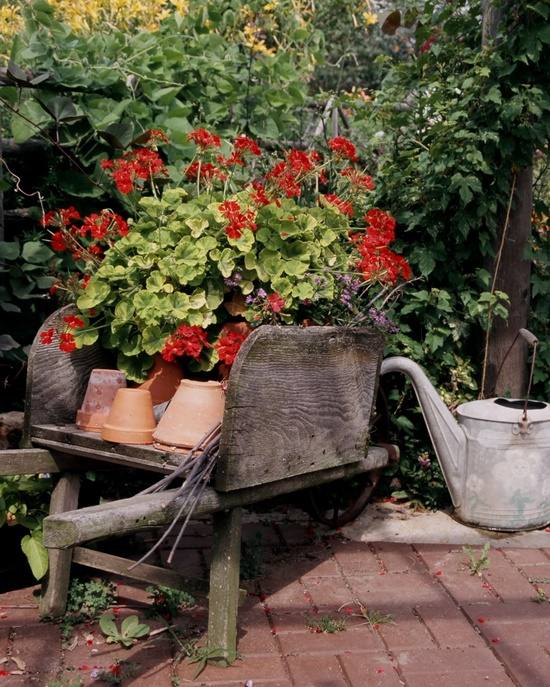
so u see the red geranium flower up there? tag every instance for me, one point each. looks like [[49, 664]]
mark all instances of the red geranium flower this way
[[57, 242], [207, 171], [344, 206], [47, 336], [67, 342], [245, 144], [238, 218], [343, 147], [204, 138], [186, 340], [228, 346], [73, 322], [275, 302]]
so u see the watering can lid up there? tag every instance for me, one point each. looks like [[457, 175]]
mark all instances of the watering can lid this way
[[504, 410]]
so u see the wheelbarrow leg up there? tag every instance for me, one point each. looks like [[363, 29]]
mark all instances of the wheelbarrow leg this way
[[224, 583], [54, 593]]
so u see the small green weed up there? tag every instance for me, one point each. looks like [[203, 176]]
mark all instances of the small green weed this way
[[167, 602], [540, 596], [175, 681], [476, 565], [73, 682], [87, 599], [202, 656], [130, 629], [325, 624], [360, 610]]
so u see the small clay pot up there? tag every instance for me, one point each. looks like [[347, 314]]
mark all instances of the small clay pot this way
[[163, 380], [99, 397], [196, 408], [235, 328], [237, 305], [131, 420]]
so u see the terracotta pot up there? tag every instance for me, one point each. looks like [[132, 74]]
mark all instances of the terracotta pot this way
[[163, 380], [100, 394], [131, 420], [236, 306], [195, 409], [236, 328]]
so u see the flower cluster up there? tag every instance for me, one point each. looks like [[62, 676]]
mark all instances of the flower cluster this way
[[343, 148], [260, 300], [238, 218], [288, 175], [378, 261], [228, 346], [65, 338], [273, 243], [135, 167], [204, 171], [204, 139], [186, 340], [85, 238]]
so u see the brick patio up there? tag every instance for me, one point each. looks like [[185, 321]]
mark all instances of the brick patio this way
[[450, 628]]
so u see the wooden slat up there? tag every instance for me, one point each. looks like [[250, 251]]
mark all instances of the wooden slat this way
[[70, 439], [27, 461], [305, 395], [145, 572], [152, 510]]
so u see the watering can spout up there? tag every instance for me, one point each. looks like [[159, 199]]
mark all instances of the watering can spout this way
[[448, 439]]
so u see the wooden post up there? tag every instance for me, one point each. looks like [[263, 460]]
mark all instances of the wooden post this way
[[54, 597], [514, 271], [224, 583]]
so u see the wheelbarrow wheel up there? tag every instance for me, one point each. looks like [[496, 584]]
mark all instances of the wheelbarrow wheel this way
[[339, 503], [336, 505]]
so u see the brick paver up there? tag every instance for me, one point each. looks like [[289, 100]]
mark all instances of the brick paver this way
[[449, 628]]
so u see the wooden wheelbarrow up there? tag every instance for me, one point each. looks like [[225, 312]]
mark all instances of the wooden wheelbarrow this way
[[298, 408]]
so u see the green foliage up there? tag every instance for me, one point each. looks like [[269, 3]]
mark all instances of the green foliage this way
[[129, 632], [202, 656], [167, 602], [172, 265], [24, 501], [25, 278], [372, 617], [86, 600], [445, 133], [36, 553], [325, 624]]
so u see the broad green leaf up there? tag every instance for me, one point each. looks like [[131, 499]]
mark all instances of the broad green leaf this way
[[36, 553], [9, 250], [36, 252], [95, 293]]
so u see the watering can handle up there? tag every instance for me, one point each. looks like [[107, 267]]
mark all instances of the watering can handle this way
[[529, 337]]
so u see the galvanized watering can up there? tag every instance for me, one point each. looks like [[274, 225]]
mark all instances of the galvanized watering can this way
[[495, 456]]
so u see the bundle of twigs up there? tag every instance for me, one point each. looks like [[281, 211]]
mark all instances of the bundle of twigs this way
[[203, 457]]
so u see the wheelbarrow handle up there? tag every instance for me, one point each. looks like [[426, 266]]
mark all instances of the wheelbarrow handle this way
[[529, 337]]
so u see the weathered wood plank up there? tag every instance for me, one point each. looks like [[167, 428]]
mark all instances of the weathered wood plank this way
[[27, 461], [305, 394], [224, 583], [54, 598], [70, 439], [145, 572], [152, 510], [56, 381]]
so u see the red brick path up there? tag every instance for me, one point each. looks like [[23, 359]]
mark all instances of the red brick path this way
[[449, 629]]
